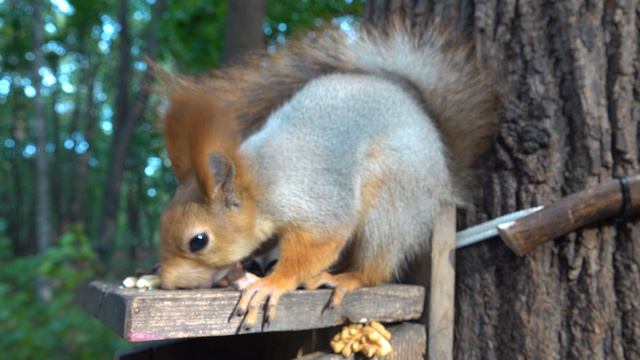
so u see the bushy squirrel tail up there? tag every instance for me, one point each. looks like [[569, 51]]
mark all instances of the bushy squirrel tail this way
[[453, 88], [455, 91]]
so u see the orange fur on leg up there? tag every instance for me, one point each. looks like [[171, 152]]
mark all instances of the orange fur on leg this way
[[303, 254], [345, 283]]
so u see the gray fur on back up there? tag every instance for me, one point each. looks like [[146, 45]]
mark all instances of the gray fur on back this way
[[318, 151]]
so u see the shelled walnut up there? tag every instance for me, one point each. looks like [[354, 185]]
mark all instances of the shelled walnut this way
[[372, 339]]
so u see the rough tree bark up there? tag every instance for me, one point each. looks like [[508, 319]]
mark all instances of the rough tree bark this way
[[243, 28], [126, 119], [570, 71], [43, 227]]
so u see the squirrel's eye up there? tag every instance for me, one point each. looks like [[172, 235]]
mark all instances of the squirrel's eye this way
[[198, 242]]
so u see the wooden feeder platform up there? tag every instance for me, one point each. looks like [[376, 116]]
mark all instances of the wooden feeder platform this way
[[197, 323], [303, 326]]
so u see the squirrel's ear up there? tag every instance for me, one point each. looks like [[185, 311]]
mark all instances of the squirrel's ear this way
[[223, 173], [176, 135], [178, 124]]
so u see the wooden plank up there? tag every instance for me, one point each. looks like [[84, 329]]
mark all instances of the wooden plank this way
[[139, 315], [408, 342], [441, 294], [107, 306]]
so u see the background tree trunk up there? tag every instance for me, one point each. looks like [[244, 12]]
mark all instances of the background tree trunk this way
[[59, 210], [77, 207], [123, 130], [243, 28], [43, 227], [570, 71], [81, 121], [126, 119]]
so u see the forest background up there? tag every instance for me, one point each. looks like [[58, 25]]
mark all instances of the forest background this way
[[84, 172]]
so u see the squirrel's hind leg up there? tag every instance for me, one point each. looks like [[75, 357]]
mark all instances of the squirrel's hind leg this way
[[344, 283]]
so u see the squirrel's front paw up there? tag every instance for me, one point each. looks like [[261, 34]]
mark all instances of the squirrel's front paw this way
[[253, 296], [246, 280]]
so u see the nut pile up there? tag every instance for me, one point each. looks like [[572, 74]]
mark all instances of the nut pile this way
[[148, 282], [372, 339]]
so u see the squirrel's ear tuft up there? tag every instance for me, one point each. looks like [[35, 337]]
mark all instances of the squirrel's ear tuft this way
[[175, 116], [176, 136], [168, 82], [223, 174]]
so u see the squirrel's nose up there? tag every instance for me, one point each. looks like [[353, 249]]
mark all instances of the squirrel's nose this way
[[166, 281], [184, 275]]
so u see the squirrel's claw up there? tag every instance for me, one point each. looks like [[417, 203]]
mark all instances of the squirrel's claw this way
[[254, 295]]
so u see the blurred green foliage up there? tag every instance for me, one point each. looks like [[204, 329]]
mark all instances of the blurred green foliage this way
[[50, 325], [37, 316]]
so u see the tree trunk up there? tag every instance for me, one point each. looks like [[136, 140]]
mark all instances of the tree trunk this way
[[43, 228], [243, 29], [134, 197], [126, 120], [123, 130], [19, 209], [570, 72], [78, 196], [81, 120], [59, 206]]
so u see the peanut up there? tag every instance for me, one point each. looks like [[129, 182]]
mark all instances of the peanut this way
[[130, 282], [148, 282]]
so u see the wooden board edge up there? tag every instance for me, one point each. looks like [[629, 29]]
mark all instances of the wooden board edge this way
[[442, 289], [112, 309], [115, 307]]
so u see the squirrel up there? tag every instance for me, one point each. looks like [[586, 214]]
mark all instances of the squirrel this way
[[344, 145]]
